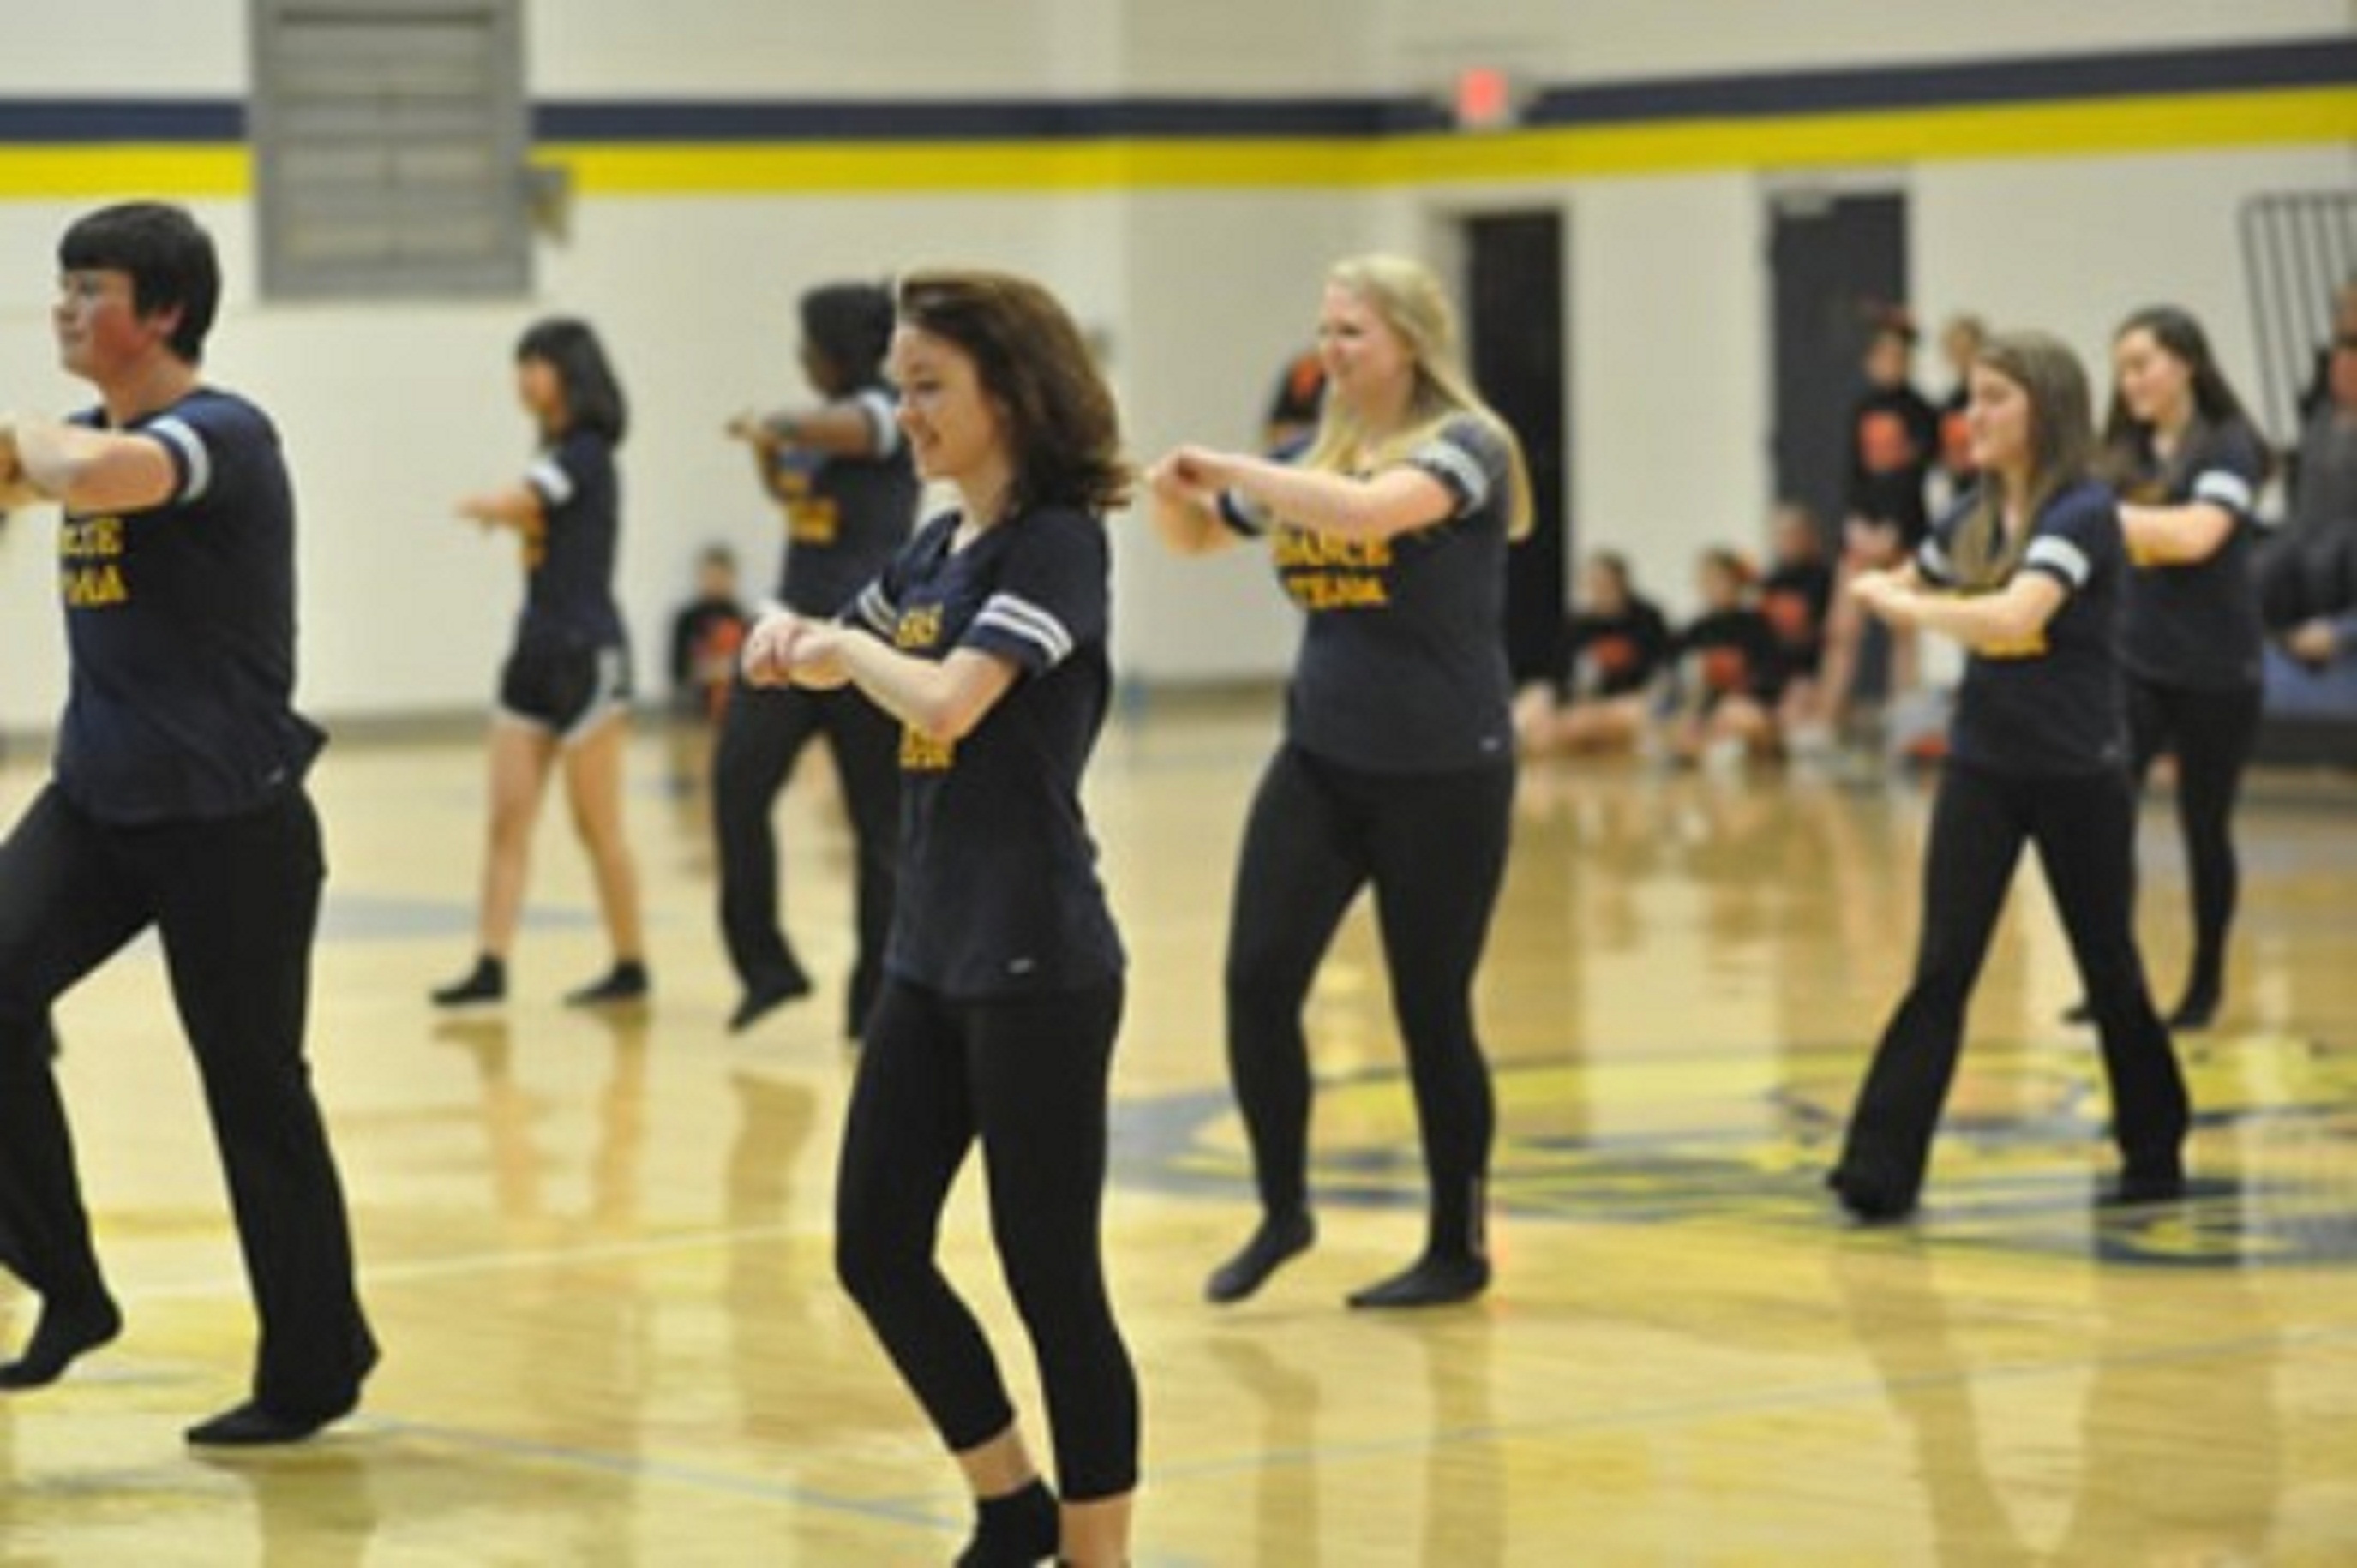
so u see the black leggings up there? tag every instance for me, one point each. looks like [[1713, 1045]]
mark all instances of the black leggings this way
[[235, 902], [1433, 847], [2084, 828], [2212, 734], [1027, 1078], [762, 735]]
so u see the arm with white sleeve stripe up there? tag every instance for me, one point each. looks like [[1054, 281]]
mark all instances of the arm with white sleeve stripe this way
[[102, 470]]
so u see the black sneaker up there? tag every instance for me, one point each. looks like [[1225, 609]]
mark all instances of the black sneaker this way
[[487, 983], [760, 1001], [626, 981]]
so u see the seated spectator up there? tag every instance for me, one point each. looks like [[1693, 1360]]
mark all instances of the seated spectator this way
[[2307, 575], [1726, 671], [1616, 646], [705, 634], [1794, 597]]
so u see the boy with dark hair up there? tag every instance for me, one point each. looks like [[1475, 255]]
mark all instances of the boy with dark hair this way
[[177, 803]]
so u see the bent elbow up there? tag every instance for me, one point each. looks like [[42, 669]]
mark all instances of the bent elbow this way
[[945, 722]]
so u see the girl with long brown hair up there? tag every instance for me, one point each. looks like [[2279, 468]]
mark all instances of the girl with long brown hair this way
[[2025, 573]]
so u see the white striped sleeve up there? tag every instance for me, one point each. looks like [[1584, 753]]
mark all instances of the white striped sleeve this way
[[548, 477], [195, 463], [882, 422], [875, 610], [1004, 614], [2059, 557], [1453, 465], [1933, 560], [2225, 487]]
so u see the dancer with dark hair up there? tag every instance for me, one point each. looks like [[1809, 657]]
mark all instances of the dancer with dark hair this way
[[2188, 467], [177, 805], [565, 693], [842, 476], [986, 639]]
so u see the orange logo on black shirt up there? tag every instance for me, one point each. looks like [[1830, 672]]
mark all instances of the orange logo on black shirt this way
[[1724, 669], [1884, 445]]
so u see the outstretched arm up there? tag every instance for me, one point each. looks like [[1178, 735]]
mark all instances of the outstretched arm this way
[[1986, 623], [1375, 506], [88, 470]]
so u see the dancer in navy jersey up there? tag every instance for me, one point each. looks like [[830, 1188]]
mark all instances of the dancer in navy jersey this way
[[842, 476], [564, 692], [1390, 533], [2025, 573], [986, 639], [178, 805], [2189, 467]]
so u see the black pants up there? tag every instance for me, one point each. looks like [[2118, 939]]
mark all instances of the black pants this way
[[1028, 1078], [1433, 847], [764, 731], [2084, 828], [235, 902], [2213, 734]]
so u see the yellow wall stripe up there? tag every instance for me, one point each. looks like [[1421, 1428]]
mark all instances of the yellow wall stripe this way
[[2301, 116], [33, 173], [2159, 124]]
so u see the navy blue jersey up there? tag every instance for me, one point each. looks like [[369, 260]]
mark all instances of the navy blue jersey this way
[[2197, 624], [1618, 655], [846, 516], [2054, 704], [998, 889], [568, 555], [1403, 661], [180, 621]]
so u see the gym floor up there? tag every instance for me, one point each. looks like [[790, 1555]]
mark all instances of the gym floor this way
[[597, 1246]]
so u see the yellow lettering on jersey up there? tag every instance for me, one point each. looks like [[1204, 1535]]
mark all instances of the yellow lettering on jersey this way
[[1293, 547], [2030, 647], [90, 539], [534, 536], [816, 521], [94, 587], [1336, 591], [918, 627], [920, 752]]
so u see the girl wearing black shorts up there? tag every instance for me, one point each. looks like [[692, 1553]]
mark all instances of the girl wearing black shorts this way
[[841, 474], [986, 639], [1391, 534], [564, 692], [2025, 573]]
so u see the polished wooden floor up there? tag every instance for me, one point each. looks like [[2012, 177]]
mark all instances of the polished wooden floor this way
[[597, 1248]]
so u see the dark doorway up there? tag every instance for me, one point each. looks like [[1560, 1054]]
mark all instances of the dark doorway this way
[[1836, 261], [1515, 325]]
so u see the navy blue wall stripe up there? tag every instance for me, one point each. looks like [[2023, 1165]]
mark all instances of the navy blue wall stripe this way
[[979, 119], [2309, 62], [56, 120]]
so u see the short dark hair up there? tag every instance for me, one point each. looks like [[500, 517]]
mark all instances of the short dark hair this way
[[849, 327], [1063, 432], [169, 259], [593, 398]]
